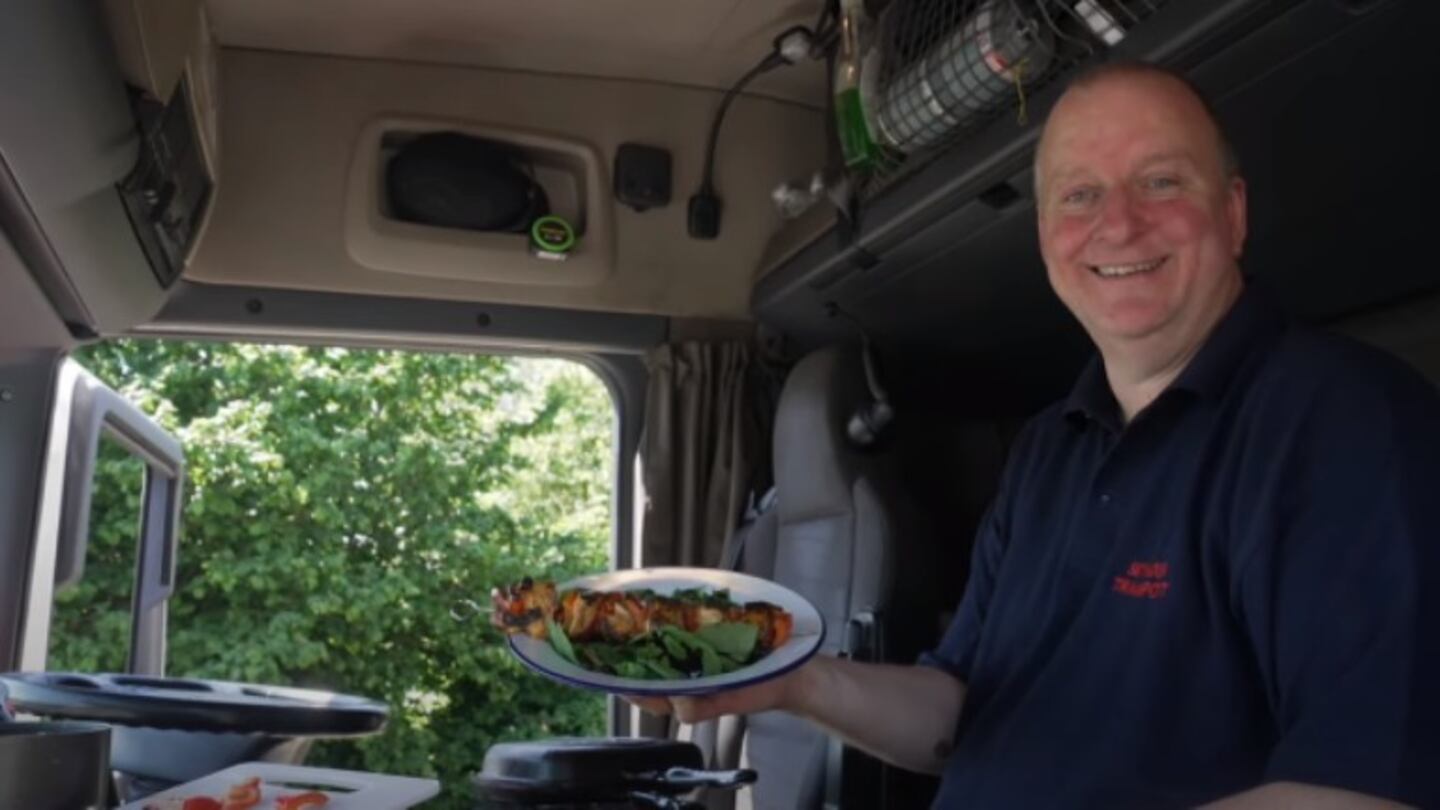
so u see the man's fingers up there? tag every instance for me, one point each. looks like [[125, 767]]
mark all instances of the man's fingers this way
[[653, 705], [685, 709], [700, 709], [688, 709]]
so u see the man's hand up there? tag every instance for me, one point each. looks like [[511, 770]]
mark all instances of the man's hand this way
[[905, 715], [764, 696]]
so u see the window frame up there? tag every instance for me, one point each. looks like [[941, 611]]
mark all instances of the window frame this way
[[85, 409], [611, 345]]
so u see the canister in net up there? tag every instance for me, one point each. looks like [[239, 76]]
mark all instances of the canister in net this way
[[971, 71]]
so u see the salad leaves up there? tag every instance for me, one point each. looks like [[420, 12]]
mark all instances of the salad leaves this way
[[666, 652], [560, 641]]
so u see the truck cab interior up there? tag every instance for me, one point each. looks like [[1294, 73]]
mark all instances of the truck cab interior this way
[[640, 185]]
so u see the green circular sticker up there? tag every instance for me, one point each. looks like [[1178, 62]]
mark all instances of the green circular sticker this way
[[552, 234]]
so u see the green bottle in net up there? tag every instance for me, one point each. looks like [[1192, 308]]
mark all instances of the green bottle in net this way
[[857, 144]]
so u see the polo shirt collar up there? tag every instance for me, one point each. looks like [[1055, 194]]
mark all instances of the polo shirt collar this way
[[1250, 324], [1091, 398]]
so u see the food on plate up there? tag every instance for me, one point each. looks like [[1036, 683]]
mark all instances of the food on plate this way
[[242, 796], [187, 803], [643, 634], [300, 801]]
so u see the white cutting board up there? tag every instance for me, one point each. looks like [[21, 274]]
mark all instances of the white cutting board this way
[[366, 791]]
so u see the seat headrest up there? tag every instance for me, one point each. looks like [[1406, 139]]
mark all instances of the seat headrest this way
[[815, 464]]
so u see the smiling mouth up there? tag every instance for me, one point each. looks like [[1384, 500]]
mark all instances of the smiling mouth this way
[[1126, 270]]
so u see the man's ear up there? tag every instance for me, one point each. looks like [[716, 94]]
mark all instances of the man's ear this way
[[1235, 212]]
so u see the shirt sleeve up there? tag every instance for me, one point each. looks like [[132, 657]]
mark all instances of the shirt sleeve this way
[[1340, 593], [956, 651]]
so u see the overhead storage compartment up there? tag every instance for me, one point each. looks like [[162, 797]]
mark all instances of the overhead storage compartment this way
[[569, 174], [939, 70], [307, 140], [945, 256]]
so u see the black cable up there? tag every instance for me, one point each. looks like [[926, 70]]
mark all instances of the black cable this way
[[829, 11], [872, 377], [769, 63], [703, 216], [826, 28]]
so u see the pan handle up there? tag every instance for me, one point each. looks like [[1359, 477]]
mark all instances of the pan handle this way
[[662, 801], [690, 778]]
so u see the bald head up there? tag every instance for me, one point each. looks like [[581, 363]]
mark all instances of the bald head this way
[[1181, 91]]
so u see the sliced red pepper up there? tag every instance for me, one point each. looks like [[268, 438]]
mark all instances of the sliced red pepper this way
[[300, 801], [202, 803], [244, 795]]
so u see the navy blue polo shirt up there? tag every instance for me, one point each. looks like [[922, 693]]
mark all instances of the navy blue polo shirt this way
[[1240, 586]]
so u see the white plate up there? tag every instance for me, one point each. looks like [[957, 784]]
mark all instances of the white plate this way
[[805, 637]]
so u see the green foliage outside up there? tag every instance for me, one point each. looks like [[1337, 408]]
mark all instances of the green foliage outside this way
[[338, 503]]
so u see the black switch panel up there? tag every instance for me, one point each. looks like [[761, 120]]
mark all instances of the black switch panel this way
[[168, 191], [642, 176]]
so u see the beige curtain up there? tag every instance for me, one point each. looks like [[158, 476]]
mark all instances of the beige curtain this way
[[700, 451], [709, 412]]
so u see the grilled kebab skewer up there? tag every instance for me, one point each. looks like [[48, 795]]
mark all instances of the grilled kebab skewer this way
[[623, 615]]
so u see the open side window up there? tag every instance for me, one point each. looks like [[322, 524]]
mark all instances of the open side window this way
[[89, 416]]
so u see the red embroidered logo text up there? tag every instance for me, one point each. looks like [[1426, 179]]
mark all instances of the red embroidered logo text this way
[[1143, 580]]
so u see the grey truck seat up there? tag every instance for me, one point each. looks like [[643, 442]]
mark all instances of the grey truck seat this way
[[838, 532]]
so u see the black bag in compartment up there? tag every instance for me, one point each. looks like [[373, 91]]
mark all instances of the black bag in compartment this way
[[453, 180]]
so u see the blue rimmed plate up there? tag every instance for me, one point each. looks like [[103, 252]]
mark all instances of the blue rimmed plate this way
[[805, 637]]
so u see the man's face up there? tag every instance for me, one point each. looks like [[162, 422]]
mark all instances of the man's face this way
[[1140, 223]]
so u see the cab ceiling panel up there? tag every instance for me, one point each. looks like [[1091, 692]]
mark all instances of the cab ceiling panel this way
[[297, 209], [704, 43], [1324, 101]]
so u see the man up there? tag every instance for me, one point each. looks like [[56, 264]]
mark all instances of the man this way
[[1210, 574]]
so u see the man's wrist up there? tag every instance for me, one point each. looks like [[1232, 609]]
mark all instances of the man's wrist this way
[[806, 686]]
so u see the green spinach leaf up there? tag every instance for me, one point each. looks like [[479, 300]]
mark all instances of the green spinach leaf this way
[[561, 642], [735, 639]]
